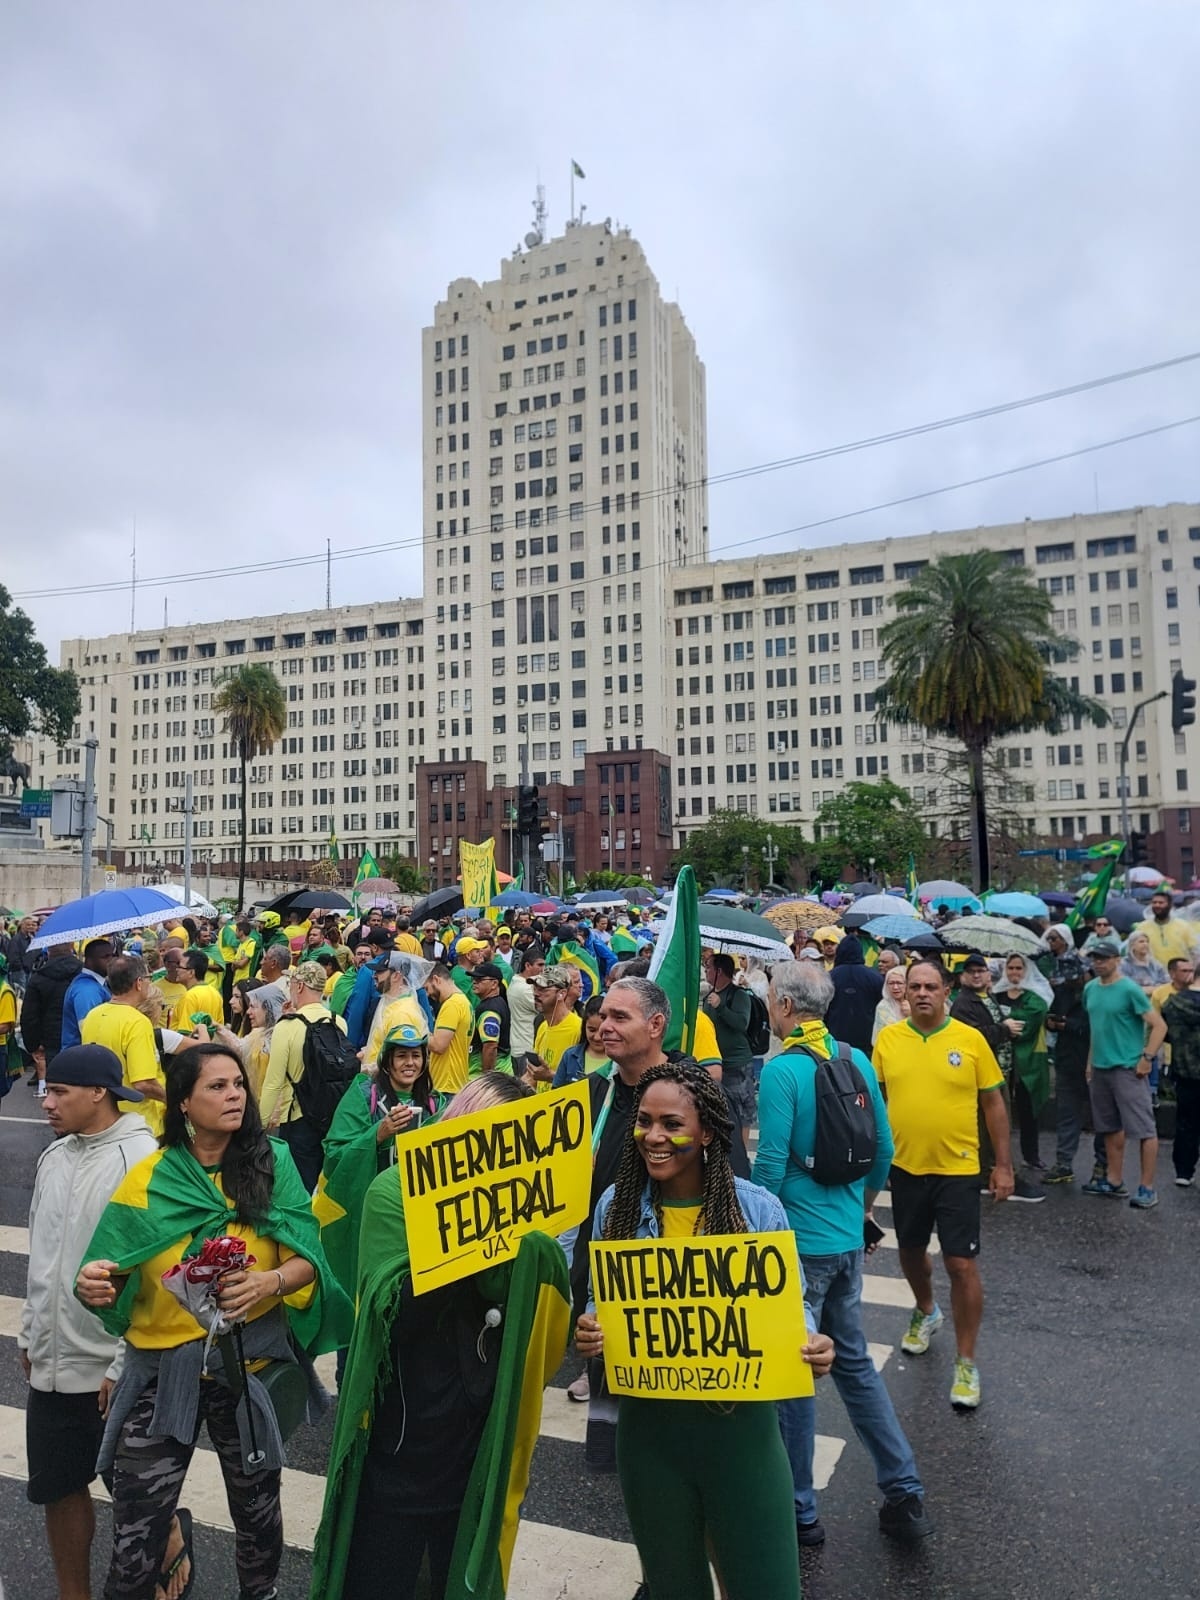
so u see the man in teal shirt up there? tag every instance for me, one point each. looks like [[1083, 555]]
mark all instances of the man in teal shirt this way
[[1126, 1035], [828, 1221]]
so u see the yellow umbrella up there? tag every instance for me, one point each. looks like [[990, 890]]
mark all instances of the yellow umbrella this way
[[789, 915]]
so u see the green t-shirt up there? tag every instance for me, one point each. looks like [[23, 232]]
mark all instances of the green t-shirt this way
[[1115, 1012]]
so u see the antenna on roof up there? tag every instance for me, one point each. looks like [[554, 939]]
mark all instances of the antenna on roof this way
[[538, 233]]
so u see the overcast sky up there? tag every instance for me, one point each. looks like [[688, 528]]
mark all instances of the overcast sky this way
[[222, 228]]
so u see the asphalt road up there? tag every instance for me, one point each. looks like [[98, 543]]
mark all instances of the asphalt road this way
[[1078, 1479]]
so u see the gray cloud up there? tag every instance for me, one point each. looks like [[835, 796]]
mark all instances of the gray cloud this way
[[222, 230]]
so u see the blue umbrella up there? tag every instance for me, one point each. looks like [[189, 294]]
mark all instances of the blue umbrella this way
[[520, 898], [110, 911], [895, 927], [1015, 904]]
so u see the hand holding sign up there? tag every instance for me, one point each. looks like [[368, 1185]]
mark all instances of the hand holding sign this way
[[716, 1317], [474, 1186]]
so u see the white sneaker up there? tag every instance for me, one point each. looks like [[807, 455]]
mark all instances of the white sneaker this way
[[40, 1091], [921, 1329]]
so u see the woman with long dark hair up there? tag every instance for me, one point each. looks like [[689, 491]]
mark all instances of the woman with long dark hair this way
[[217, 1175], [361, 1142], [698, 1477]]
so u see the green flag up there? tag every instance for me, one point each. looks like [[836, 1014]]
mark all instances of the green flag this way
[[624, 944], [1094, 898], [675, 965], [334, 854], [368, 867], [913, 897], [577, 170], [1110, 847], [169, 1196], [519, 877]]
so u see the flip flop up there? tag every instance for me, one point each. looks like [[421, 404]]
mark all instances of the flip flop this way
[[184, 1518]]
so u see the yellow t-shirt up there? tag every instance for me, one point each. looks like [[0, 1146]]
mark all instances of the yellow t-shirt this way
[[157, 1320], [409, 945], [390, 1014], [449, 1069], [130, 1036], [704, 1047], [171, 992], [201, 998], [933, 1083], [8, 1009], [679, 1218], [552, 1043]]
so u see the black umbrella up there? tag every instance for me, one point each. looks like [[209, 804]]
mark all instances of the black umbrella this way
[[308, 900], [1123, 913], [861, 888], [924, 941], [441, 903]]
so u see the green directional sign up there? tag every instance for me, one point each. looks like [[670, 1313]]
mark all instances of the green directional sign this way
[[35, 803]]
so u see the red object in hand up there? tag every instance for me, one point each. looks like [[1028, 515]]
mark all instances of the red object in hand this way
[[216, 1258]]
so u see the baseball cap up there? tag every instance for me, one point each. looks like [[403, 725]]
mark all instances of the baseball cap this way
[[91, 1066], [487, 969], [311, 974], [1104, 947], [465, 946], [552, 978], [974, 961], [381, 938], [406, 1036], [504, 933]]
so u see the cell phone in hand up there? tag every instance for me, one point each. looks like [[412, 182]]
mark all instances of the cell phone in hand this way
[[872, 1233]]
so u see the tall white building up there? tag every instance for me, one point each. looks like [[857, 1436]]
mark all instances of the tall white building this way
[[564, 477]]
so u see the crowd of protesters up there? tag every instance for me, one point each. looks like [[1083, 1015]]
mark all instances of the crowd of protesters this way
[[176, 1068]]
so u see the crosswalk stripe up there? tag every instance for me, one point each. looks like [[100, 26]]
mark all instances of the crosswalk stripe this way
[[15, 1241]]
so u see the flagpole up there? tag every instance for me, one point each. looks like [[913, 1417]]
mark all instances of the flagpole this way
[[572, 188]]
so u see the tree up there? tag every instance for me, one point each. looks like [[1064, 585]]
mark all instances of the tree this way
[[34, 696], [715, 851], [970, 657], [251, 701], [868, 822], [404, 873]]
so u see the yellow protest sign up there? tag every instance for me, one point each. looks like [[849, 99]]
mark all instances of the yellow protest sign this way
[[709, 1318], [473, 1186], [477, 863]]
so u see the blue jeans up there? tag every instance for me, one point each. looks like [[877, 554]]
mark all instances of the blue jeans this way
[[834, 1295]]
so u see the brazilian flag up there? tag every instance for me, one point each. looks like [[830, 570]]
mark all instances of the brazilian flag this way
[[570, 953], [624, 944], [351, 1166], [534, 1293], [169, 1197]]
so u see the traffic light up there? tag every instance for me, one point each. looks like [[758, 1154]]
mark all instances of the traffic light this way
[[527, 811], [1183, 702], [1137, 849]]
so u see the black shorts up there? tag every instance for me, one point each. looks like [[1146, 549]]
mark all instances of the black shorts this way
[[923, 1202], [62, 1440]]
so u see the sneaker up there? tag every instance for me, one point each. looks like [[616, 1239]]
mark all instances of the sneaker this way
[[580, 1390], [1111, 1191], [1059, 1174], [1145, 1199], [905, 1519], [810, 1533], [1028, 1193], [1184, 1183], [1099, 1170], [964, 1391], [921, 1329], [41, 1090]]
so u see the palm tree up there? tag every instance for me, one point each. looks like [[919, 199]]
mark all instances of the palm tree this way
[[251, 701], [970, 657]]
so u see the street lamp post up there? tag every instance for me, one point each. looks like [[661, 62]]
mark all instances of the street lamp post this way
[[1123, 779], [745, 868], [770, 855], [871, 865]]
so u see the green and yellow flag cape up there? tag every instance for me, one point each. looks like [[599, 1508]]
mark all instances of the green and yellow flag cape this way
[[535, 1295], [169, 1196], [624, 944], [568, 953], [351, 1166]]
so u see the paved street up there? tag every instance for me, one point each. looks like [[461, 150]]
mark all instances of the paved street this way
[[1078, 1478]]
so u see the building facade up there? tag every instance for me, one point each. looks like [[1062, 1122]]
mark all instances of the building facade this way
[[575, 634]]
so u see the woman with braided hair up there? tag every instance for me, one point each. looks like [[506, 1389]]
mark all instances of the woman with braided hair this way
[[698, 1478]]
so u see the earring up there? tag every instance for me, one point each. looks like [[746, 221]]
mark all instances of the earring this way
[[189, 1127]]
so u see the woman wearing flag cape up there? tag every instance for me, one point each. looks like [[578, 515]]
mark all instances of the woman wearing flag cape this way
[[439, 1410], [218, 1182]]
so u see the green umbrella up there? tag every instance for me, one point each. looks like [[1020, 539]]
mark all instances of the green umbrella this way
[[741, 933]]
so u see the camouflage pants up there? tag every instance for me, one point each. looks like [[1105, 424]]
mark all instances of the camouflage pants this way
[[147, 1477]]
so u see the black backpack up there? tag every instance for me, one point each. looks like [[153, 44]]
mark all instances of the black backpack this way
[[331, 1065], [759, 1031], [846, 1140]]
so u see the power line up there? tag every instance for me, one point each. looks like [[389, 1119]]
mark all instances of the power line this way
[[829, 452], [837, 517]]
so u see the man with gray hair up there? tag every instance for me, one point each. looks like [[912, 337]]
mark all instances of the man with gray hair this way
[[829, 1221]]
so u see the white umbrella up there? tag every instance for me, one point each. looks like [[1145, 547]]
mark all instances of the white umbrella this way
[[197, 905], [882, 905]]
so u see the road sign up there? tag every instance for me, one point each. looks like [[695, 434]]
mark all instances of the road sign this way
[[35, 803], [110, 878]]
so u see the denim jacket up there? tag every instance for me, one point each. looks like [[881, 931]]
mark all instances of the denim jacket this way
[[763, 1212]]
